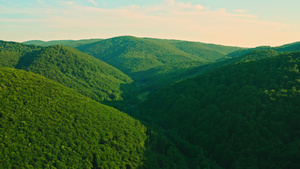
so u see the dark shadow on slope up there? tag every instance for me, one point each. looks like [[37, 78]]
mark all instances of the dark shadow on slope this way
[[164, 148], [27, 59]]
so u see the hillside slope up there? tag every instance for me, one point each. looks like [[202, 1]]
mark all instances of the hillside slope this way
[[253, 55], [47, 125], [209, 52], [291, 47], [158, 77], [130, 54], [10, 52], [86, 74], [244, 115]]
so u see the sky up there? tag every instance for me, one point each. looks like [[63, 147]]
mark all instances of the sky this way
[[241, 23]]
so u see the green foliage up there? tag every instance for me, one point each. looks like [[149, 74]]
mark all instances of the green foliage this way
[[208, 52], [196, 48], [292, 47], [244, 115], [10, 53], [253, 55], [85, 74], [157, 77], [160, 76], [68, 66], [245, 51], [242, 112], [131, 54], [46, 125]]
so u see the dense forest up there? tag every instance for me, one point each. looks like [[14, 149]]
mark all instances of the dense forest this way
[[177, 105], [244, 115], [68, 66], [47, 125], [131, 54]]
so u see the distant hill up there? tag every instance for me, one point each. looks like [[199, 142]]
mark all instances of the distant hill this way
[[292, 47], [249, 56], [69, 43], [10, 52], [47, 125], [146, 58], [244, 115], [158, 77], [131, 54], [68, 66], [201, 105], [239, 56], [53, 113], [209, 52]]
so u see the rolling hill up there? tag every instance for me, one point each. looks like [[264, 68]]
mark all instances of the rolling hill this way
[[131, 54], [243, 115], [203, 105], [47, 125], [292, 47], [10, 52], [44, 124], [208, 52], [70, 67], [252, 55], [161, 76]]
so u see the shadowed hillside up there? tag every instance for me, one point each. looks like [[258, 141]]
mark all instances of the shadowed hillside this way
[[244, 115]]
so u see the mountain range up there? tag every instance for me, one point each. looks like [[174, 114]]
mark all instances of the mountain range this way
[[68, 66], [177, 104]]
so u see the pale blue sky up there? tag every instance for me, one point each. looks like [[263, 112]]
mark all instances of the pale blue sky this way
[[227, 22]]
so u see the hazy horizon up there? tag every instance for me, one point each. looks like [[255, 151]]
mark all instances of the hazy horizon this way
[[230, 22], [147, 37]]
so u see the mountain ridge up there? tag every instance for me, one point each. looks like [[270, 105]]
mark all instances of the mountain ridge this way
[[84, 73]]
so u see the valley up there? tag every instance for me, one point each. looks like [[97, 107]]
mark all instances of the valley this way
[[129, 102]]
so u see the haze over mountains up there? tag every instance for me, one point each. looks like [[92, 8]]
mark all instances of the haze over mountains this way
[[188, 104]]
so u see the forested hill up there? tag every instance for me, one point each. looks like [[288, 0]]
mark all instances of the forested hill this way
[[46, 125], [253, 55], [289, 47], [163, 75], [69, 43], [10, 52], [209, 52], [86, 74], [131, 54], [244, 115], [240, 56], [292, 47]]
